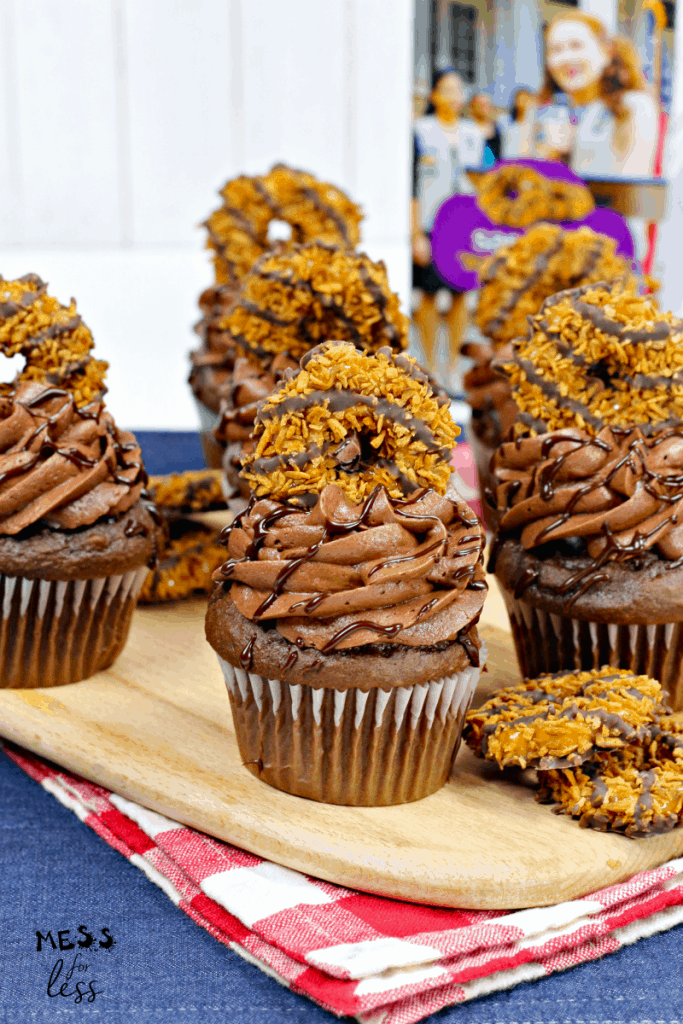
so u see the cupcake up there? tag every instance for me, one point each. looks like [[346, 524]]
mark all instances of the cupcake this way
[[345, 616], [77, 531], [514, 283], [290, 301], [193, 550], [588, 495], [288, 204]]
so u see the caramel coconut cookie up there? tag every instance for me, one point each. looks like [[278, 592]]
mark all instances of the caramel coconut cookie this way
[[588, 498], [180, 494], [238, 235], [514, 283], [519, 196], [619, 791], [354, 419], [345, 615], [193, 549], [291, 301], [544, 260], [313, 209], [193, 553], [561, 720], [77, 531]]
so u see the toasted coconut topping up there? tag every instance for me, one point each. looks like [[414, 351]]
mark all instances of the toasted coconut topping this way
[[352, 418]]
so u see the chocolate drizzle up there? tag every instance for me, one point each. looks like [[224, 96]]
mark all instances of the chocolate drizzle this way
[[247, 653]]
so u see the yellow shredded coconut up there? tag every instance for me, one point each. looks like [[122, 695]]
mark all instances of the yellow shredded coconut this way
[[587, 365], [52, 337], [339, 367], [291, 301]]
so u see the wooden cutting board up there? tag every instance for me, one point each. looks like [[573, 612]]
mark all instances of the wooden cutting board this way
[[157, 729]]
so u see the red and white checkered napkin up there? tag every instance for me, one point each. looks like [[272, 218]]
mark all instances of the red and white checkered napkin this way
[[380, 960]]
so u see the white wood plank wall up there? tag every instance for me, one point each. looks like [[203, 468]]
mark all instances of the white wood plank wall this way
[[119, 119]]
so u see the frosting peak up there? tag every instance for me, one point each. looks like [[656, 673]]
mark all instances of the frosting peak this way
[[619, 494], [62, 465], [343, 575]]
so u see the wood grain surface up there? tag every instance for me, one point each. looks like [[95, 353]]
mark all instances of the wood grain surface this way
[[157, 729]]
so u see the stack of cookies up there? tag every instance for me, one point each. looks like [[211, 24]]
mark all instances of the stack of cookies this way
[[290, 301], [605, 748]]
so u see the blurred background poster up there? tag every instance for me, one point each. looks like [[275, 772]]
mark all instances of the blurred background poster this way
[[588, 87]]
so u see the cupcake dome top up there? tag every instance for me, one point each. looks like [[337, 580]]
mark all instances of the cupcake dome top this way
[[314, 209], [53, 338], [355, 419], [543, 261], [599, 356], [291, 300]]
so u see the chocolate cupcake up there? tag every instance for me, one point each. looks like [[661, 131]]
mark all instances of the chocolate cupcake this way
[[290, 301], [345, 616], [588, 496], [77, 532], [514, 283], [239, 232]]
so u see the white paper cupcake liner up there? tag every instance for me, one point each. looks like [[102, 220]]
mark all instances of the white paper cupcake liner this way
[[546, 642], [361, 747], [55, 632]]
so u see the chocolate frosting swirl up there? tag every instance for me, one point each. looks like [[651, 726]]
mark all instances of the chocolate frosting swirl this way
[[249, 385], [342, 575], [619, 491], [60, 465], [214, 360]]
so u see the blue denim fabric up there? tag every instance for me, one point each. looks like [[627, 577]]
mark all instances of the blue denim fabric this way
[[170, 451], [56, 874]]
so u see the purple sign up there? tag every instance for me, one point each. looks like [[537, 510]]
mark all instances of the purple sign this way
[[463, 235]]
